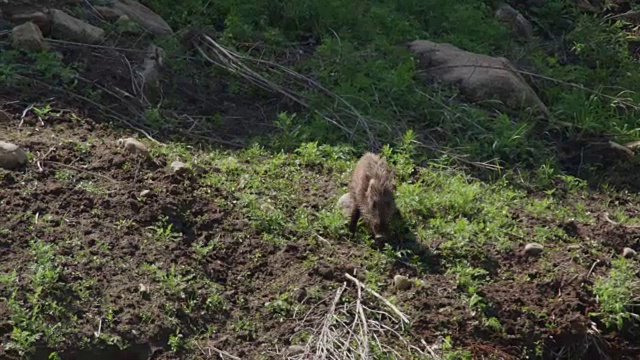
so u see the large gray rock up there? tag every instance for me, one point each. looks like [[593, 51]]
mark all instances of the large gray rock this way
[[141, 14], [67, 27], [11, 155], [479, 77], [28, 36]]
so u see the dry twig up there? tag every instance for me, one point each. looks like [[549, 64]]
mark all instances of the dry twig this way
[[402, 316], [350, 330]]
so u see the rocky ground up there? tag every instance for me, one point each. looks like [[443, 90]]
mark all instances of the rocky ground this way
[[125, 235]]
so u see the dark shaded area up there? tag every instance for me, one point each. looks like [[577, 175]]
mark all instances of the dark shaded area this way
[[591, 157]]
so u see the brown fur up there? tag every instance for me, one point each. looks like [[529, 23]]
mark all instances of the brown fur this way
[[372, 188]]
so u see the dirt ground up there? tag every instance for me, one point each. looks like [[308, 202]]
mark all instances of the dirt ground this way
[[38, 202]]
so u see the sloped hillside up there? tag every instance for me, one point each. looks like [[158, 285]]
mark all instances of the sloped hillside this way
[[170, 176]]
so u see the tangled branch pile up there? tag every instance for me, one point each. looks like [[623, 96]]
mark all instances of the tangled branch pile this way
[[359, 329]]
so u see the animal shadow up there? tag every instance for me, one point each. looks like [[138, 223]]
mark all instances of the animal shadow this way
[[403, 241]]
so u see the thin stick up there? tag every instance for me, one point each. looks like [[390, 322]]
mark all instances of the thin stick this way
[[605, 215], [24, 113], [221, 352], [365, 330], [402, 316], [592, 267]]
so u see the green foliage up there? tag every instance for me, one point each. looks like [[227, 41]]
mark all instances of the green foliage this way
[[39, 305], [617, 293], [363, 61]]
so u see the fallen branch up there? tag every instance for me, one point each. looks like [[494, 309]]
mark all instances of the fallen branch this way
[[606, 217], [624, 149], [353, 330], [236, 63], [632, 145], [402, 316]]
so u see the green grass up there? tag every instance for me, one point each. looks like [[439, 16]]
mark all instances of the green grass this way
[[618, 294]]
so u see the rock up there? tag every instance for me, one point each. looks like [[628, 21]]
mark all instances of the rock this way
[[179, 167], [519, 24], [4, 116], [128, 26], [266, 207], [144, 193], [11, 155], [142, 288], [67, 27], [402, 282], [109, 13], [533, 249], [479, 77], [628, 253], [346, 204], [28, 36], [133, 146], [141, 14], [295, 350], [42, 20]]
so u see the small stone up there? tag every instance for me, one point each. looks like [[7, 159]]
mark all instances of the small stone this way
[[402, 282], [179, 167], [346, 204], [143, 288], [144, 193], [122, 19], [11, 156], [533, 249], [628, 253], [266, 207], [295, 350], [133, 146], [28, 36]]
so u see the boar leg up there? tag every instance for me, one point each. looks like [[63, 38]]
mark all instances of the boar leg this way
[[355, 216]]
